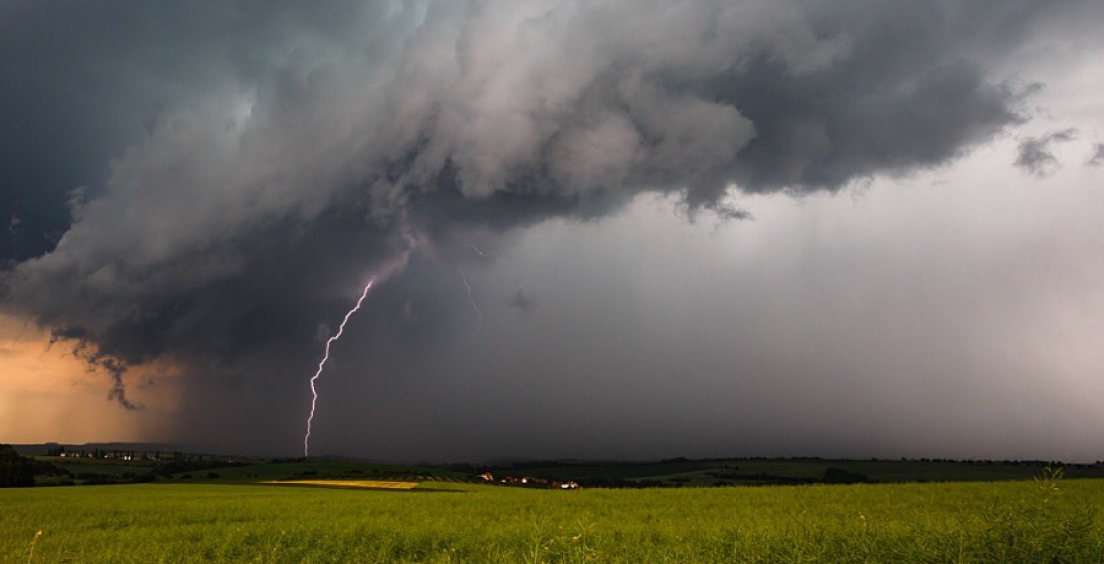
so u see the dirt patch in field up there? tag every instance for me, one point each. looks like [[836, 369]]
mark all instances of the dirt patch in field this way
[[356, 484]]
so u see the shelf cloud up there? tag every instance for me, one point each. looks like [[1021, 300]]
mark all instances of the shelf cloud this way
[[204, 183]]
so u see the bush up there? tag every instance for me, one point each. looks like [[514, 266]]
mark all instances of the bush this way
[[841, 476], [41, 468], [101, 480], [15, 471]]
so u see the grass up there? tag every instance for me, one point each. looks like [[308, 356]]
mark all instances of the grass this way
[[1010, 522]]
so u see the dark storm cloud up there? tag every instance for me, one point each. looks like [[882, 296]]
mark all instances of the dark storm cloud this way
[[80, 81], [1097, 157], [248, 165], [1034, 153]]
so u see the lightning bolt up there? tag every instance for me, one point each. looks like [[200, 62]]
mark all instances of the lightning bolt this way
[[322, 364], [471, 299], [487, 255]]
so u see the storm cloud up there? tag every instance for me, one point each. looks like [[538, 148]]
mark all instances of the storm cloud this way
[[1097, 157], [219, 179], [1035, 155]]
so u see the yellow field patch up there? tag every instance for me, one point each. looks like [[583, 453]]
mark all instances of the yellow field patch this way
[[370, 484]]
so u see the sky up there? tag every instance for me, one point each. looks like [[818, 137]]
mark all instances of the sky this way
[[611, 230]]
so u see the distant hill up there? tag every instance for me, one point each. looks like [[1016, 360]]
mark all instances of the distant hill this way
[[672, 472], [44, 448], [678, 472]]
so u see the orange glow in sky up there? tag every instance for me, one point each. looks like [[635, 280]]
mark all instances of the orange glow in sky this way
[[47, 395]]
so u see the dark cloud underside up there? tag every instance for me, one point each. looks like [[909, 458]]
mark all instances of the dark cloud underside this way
[[246, 166]]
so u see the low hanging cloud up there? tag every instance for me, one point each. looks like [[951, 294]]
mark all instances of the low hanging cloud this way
[[1097, 157], [97, 360], [280, 153], [1035, 155]]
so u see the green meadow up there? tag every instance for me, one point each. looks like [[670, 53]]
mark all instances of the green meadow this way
[[1048, 521]]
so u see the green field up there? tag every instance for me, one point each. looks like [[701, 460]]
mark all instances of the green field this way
[[1021, 522]]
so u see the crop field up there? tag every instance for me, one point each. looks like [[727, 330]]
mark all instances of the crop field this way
[[1051, 521], [354, 484]]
